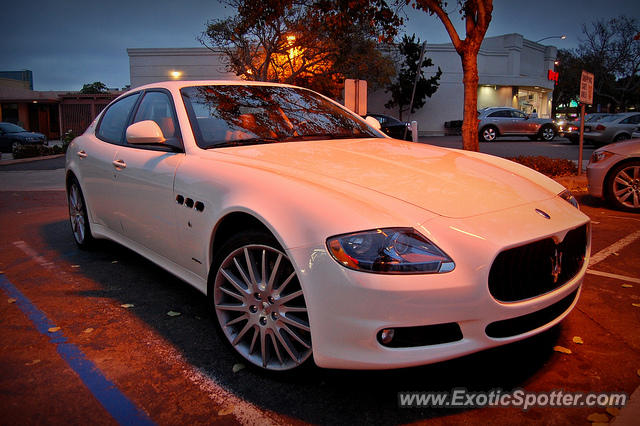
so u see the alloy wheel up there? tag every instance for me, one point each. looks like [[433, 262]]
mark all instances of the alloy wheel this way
[[261, 308], [489, 134], [626, 187], [76, 214], [548, 133]]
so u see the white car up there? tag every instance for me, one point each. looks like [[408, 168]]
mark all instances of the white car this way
[[614, 173], [315, 236]]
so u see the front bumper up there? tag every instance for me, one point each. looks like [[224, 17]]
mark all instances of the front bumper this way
[[348, 308]]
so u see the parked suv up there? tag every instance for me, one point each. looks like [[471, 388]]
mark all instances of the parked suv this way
[[503, 121]]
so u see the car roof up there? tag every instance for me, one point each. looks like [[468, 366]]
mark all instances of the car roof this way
[[179, 84]]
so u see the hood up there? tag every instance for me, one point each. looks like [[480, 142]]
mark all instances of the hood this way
[[443, 181]]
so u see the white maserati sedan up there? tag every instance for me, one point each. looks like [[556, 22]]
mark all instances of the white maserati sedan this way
[[316, 237]]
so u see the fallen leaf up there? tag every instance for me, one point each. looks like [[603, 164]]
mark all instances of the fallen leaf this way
[[638, 372], [562, 349], [88, 330], [237, 367], [75, 266], [114, 261], [173, 313], [598, 418], [12, 300], [578, 340], [127, 305], [637, 305], [34, 362], [616, 254], [19, 212], [627, 285], [613, 411], [53, 329], [225, 411]]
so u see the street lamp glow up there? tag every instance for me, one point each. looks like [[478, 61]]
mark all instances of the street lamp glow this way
[[561, 37], [175, 74]]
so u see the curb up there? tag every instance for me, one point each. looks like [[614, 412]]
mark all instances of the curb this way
[[573, 183], [28, 160]]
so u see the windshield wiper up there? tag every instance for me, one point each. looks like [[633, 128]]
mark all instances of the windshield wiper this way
[[244, 142]]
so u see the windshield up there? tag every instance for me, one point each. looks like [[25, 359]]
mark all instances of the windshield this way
[[11, 128], [233, 115]]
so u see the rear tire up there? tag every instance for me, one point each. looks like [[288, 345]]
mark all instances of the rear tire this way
[[488, 134], [621, 137], [78, 216]]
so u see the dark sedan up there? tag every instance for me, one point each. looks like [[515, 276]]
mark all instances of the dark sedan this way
[[12, 135], [393, 127]]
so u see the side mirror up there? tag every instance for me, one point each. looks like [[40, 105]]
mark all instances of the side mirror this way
[[373, 122], [145, 132]]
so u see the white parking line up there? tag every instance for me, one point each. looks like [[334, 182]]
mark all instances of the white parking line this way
[[33, 254], [243, 411], [614, 248], [616, 276]]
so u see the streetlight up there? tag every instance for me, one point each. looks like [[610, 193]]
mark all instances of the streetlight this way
[[561, 37]]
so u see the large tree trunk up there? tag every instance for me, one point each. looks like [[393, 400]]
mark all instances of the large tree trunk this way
[[470, 119]]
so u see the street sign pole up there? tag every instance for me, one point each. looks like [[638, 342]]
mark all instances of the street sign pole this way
[[581, 139], [586, 97]]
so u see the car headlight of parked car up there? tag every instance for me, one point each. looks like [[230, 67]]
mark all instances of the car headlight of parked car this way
[[568, 197], [600, 156], [389, 251]]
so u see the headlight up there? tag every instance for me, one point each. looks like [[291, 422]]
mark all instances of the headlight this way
[[600, 155], [389, 251], [568, 197]]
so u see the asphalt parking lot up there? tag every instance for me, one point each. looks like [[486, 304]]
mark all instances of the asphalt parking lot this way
[[122, 355]]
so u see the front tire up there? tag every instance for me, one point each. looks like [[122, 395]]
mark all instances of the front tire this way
[[488, 134], [259, 304], [78, 216], [547, 133], [623, 187]]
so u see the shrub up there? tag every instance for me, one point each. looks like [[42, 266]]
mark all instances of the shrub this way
[[551, 167], [28, 151]]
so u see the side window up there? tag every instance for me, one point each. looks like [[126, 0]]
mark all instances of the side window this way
[[634, 119], [156, 106], [115, 120], [517, 114], [501, 114]]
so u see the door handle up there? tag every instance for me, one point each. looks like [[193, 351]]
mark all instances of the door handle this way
[[119, 164], [82, 154]]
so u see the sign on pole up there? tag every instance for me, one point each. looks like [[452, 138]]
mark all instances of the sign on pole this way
[[586, 88], [355, 95], [586, 98]]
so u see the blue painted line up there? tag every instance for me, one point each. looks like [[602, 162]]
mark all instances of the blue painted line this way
[[115, 402]]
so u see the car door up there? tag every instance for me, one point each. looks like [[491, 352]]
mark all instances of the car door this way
[[520, 123], [501, 119], [96, 154], [145, 176]]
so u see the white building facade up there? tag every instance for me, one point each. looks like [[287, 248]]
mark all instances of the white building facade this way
[[512, 72]]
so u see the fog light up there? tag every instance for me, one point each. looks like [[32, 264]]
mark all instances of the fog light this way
[[386, 335]]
